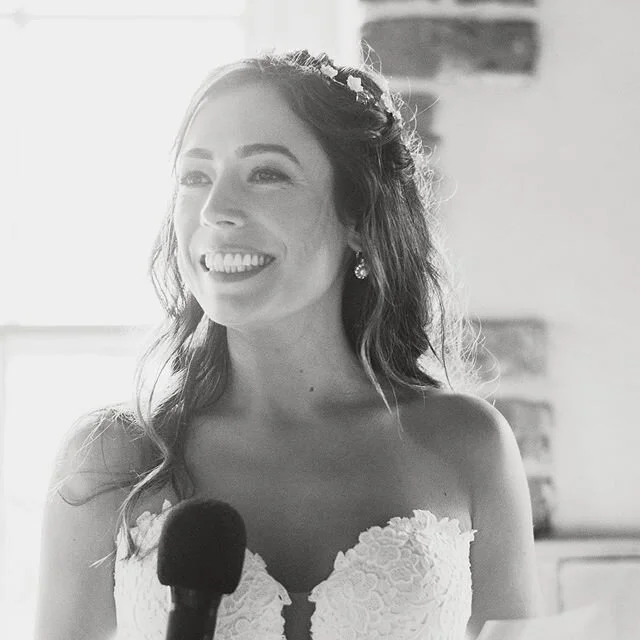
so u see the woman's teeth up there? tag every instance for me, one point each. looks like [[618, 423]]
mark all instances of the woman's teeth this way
[[232, 263]]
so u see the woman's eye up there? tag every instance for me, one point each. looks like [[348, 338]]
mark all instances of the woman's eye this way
[[264, 174], [194, 178]]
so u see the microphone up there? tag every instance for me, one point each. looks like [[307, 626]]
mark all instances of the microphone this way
[[200, 556]]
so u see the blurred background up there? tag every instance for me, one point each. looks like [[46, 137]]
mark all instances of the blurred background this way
[[531, 110]]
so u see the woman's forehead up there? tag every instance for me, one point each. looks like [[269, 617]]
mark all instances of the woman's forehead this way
[[250, 115]]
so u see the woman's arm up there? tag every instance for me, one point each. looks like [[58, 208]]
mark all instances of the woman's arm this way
[[503, 563], [75, 596]]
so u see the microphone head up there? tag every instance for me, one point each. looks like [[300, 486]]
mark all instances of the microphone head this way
[[202, 546]]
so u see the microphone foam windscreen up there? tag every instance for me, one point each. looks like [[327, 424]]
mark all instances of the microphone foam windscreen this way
[[202, 546]]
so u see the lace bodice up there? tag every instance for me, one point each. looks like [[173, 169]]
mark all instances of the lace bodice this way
[[408, 580]]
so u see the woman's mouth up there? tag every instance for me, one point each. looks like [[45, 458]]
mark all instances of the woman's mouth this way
[[234, 266]]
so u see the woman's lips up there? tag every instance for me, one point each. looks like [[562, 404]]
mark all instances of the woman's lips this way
[[237, 276], [224, 261]]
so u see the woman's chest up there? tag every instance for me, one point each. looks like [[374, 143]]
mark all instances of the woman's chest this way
[[307, 493]]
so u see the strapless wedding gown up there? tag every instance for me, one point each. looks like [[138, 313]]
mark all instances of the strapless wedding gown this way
[[410, 579]]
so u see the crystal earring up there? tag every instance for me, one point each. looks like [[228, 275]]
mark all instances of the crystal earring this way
[[362, 270]]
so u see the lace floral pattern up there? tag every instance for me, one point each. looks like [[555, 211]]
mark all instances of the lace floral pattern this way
[[253, 611], [410, 579], [142, 603]]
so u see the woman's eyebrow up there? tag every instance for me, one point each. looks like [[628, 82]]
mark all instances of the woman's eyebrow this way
[[261, 147], [245, 151], [197, 152]]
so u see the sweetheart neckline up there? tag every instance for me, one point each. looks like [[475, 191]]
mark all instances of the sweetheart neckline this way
[[432, 550], [147, 518]]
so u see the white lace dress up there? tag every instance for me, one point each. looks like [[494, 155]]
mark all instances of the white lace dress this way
[[410, 579]]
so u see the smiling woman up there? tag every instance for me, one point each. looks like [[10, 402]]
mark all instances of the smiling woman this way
[[299, 270], [268, 198]]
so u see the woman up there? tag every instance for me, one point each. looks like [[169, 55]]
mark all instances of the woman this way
[[303, 288]]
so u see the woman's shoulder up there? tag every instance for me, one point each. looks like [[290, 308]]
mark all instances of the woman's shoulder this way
[[481, 444], [102, 449], [463, 415], [94, 464], [472, 432]]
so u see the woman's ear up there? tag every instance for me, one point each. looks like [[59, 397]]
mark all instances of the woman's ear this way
[[353, 238]]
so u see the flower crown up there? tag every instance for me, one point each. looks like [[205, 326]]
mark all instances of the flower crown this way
[[362, 95]]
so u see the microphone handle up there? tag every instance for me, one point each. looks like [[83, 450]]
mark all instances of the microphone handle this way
[[193, 615], [184, 625], [210, 626]]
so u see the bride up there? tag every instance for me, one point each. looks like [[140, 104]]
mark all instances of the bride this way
[[308, 355]]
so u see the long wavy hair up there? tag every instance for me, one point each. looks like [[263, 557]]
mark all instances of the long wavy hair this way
[[401, 321]]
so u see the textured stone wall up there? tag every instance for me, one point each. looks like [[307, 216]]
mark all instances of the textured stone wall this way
[[422, 46], [422, 43], [513, 363]]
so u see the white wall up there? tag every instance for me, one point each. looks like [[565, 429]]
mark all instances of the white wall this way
[[331, 26], [544, 222]]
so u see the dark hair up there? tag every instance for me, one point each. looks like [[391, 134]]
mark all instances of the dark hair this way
[[397, 320]]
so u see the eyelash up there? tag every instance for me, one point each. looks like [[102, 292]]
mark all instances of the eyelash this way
[[279, 176], [184, 178], [276, 176]]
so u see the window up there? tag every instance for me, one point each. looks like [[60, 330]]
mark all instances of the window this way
[[95, 103], [93, 94]]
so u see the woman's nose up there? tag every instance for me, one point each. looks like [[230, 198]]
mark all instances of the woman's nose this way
[[223, 205]]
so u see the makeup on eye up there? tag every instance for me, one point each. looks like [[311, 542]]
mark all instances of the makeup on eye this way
[[268, 175], [185, 179], [263, 174], [278, 155]]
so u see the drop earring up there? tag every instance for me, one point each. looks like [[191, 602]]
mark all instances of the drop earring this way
[[362, 270]]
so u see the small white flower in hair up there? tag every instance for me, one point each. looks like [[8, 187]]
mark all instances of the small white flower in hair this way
[[329, 71], [355, 84], [389, 107], [387, 102]]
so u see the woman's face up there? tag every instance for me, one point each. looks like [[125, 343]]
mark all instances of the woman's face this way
[[254, 182]]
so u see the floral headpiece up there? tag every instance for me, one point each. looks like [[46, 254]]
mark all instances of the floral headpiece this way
[[362, 95]]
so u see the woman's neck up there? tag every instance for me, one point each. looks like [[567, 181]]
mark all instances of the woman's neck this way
[[293, 373]]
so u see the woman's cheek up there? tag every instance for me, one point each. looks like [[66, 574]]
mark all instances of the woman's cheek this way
[[186, 220], [184, 230], [188, 202], [183, 267]]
